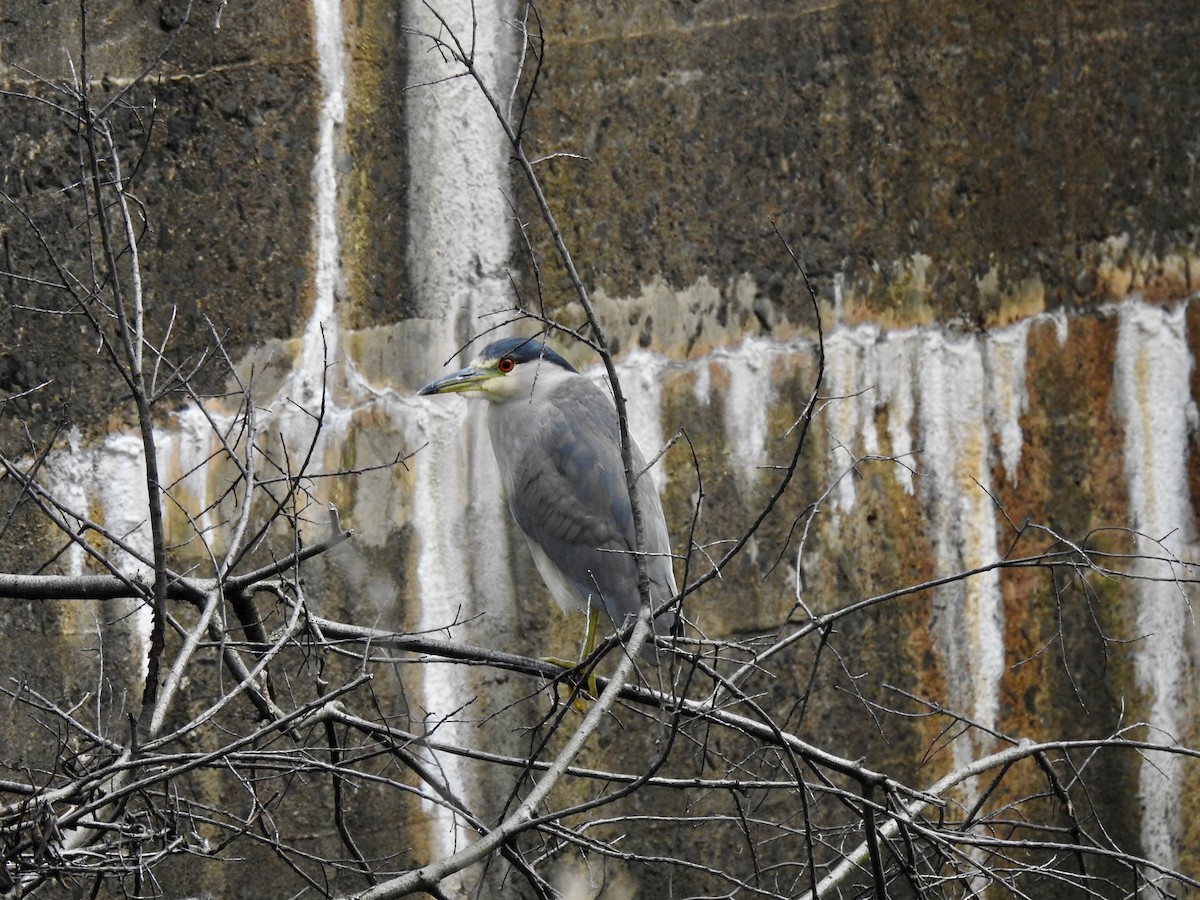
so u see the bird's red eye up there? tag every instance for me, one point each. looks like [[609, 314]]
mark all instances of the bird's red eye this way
[[506, 364]]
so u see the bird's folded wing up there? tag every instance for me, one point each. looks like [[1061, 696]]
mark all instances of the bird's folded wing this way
[[569, 497]]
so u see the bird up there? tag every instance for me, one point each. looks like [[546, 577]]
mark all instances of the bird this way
[[557, 444]]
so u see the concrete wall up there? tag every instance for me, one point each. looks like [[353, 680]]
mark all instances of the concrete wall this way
[[997, 203]]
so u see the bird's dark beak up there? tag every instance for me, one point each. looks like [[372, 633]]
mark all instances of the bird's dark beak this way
[[468, 379]]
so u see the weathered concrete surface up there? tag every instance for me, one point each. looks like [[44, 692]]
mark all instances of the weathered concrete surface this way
[[220, 142], [947, 161], [979, 191]]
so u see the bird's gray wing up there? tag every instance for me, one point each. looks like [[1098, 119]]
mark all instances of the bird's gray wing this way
[[568, 495]]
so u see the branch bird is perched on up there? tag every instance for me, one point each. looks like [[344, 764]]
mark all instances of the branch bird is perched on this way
[[558, 446]]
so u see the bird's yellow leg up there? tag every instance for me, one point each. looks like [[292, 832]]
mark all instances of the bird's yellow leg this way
[[589, 644]]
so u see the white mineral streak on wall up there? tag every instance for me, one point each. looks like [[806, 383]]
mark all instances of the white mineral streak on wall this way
[[107, 483], [68, 477], [329, 40], [1153, 396], [702, 386], [967, 389], [118, 487], [459, 223], [866, 370], [1004, 360], [110, 478], [185, 464], [641, 375], [955, 475], [294, 410], [897, 357], [747, 402], [850, 373], [1062, 326]]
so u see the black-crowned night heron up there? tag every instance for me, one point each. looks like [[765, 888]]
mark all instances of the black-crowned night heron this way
[[558, 446]]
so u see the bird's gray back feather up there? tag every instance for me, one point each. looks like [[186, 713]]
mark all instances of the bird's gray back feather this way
[[559, 454]]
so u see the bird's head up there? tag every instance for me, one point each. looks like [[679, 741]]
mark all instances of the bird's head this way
[[506, 368]]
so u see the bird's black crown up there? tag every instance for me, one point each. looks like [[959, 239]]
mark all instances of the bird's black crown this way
[[523, 350]]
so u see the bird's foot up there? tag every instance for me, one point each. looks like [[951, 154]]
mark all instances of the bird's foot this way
[[590, 689]]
